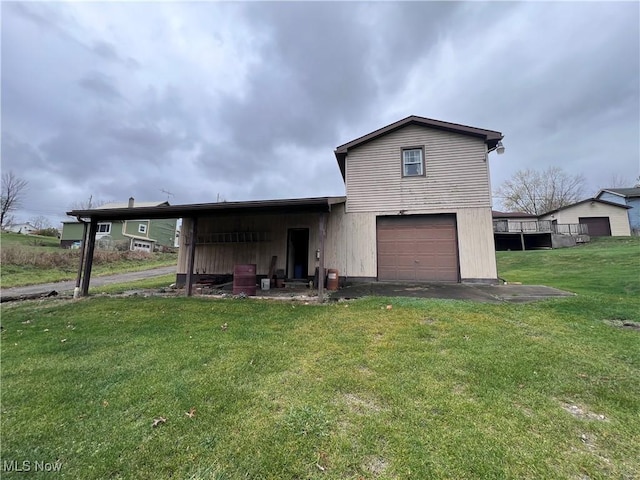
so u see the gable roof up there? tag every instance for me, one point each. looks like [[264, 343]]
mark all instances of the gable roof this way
[[622, 192], [597, 200], [490, 137]]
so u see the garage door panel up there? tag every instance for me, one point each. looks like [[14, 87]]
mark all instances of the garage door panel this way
[[598, 226], [417, 247]]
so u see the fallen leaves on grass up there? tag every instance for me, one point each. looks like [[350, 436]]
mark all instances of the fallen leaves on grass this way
[[224, 326], [158, 421], [191, 413]]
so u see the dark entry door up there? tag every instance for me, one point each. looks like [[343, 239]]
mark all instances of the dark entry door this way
[[298, 253]]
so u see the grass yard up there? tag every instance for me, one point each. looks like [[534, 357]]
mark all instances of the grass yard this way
[[31, 259], [38, 242], [426, 389]]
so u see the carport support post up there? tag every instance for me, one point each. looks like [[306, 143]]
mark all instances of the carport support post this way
[[88, 263], [191, 255], [322, 232], [522, 241], [76, 291]]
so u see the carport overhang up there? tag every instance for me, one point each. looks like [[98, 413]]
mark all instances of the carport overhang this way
[[90, 218]]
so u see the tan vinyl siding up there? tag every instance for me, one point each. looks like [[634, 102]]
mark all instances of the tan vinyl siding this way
[[351, 242], [220, 258], [456, 173], [476, 246], [618, 217]]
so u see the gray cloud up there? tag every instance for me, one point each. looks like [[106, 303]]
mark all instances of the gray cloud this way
[[248, 100], [102, 86]]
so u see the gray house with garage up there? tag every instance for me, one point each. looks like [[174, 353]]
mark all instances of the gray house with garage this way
[[417, 208]]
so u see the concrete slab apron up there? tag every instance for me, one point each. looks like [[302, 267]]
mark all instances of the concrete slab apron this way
[[452, 291]]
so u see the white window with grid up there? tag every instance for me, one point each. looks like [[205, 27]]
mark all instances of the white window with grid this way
[[412, 162], [104, 228]]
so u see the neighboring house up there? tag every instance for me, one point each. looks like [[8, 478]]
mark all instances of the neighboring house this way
[[625, 196], [25, 228], [603, 218], [417, 208], [138, 234]]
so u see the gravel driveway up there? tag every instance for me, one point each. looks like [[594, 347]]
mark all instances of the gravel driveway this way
[[95, 282]]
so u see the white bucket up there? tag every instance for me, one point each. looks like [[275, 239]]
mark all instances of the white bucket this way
[[265, 284]]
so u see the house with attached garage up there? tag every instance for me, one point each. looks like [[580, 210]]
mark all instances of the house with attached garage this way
[[625, 196], [601, 217], [417, 208], [139, 234]]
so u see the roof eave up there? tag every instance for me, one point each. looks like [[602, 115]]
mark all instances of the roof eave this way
[[316, 204]]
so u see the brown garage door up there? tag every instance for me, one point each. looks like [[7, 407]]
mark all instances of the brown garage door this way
[[598, 226], [418, 248]]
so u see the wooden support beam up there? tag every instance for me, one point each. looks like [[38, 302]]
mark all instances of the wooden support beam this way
[[191, 255], [322, 226], [88, 263], [76, 291]]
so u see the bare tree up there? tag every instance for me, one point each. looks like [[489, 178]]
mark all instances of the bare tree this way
[[87, 204], [617, 181], [13, 188], [537, 192], [40, 222]]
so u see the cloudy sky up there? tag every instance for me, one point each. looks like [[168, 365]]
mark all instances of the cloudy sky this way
[[246, 101]]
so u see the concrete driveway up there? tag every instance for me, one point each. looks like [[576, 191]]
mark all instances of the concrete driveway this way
[[452, 291]]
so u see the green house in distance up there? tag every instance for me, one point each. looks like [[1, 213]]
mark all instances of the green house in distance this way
[[143, 235]]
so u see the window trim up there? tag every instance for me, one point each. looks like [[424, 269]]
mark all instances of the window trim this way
[[423, 166], [107, 232]]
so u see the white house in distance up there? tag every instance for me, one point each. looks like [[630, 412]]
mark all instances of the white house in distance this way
[[25, 228], [417, 208], [603, 218]]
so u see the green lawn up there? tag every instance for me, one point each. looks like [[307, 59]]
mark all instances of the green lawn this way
[[41, 243], [425, 389], [31, 259]]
